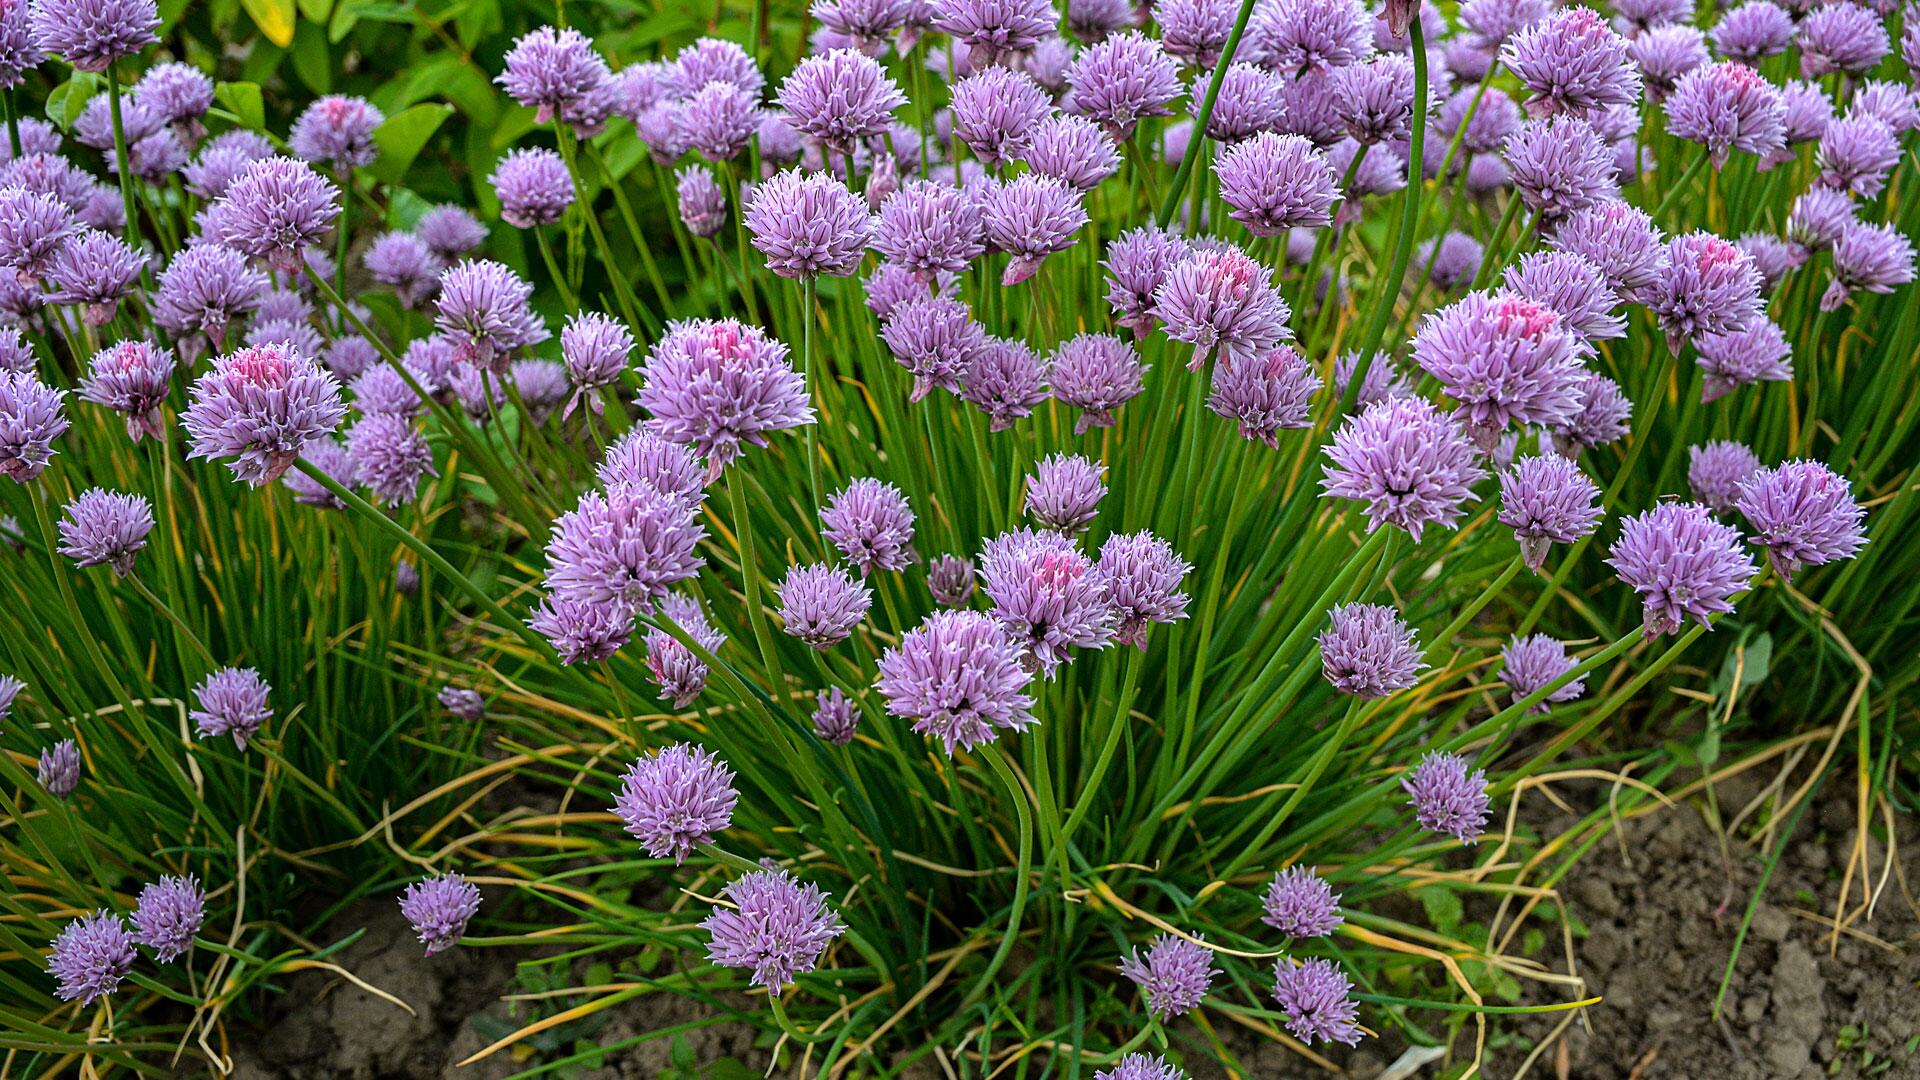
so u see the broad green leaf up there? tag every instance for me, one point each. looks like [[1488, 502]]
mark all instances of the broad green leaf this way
[[313, 59], [1442, 906], [275, 18], [401, 137], [242, 99], [69, 99], [316, 11]]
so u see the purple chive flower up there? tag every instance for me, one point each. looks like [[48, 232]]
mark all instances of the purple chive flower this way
[[1064, 492], [1506, 359], [1682, 563], [1666, 54], [936, 339], [1819, 217], [993, 31], [49, 174], [59, 769], [1300, 904], [676, 799], [834, 716], [1710, 287], [995, 112], [1621, 240], [808, 224], [275, 210], [1195, 31], [1121, 80], [94, 270], [594, 347], [1546, 500], [714, 385], [1803, 514], [676, 670], [1602, 417], [91, 955], [1275, 182], [10, 687], [929, 228], [201, 292], [389, 457], [557, 74], [580, 631], [105, 528], [773, 926], [1530, 663], [865, 22], [329, 457], [260, 406], [1141, 1067], [1093, 20], [16, 355], [871, 524], [91, 34], [1313, 36], [1072, 150], [1868, 258], [406, 578], [233, 701], [403, 261], [711, 60], [1447, 797], [1856, 153], [1005, 380], [642, 457], [1893, 104], [702, 205], [1221, 298], [1840, 37], [169, 914], [1251, 100], [1560, 164], [33, 230], [1138, 261], [1808, 111], [1143, 575], [299, 337], [178, 93], [463, 703], [718, 121], [94, 128], [821, 604], [131, 377], [30, 420], [1311, 109], [1029, 218], [439, 908], [1264, 393], [1573, 288], [1574, 63], [1047, 595], [450, 231], [1411, 464], [1635, 18], [840, 97], [1452, 261], [1753, 31], [1716, 472], [1369, 650], [1096, 374], [1493, 122], [1494, 21], [1173, 975], [950, 579], [1382, 380], [1376, 99], [1728, 106], [533, 186], [337, 130], [483, 307], [958, 678], [623, 547], [20, 48], [1316, 998]]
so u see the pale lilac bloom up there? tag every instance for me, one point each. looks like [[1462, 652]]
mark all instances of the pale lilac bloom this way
[[105, 528], [1710, 287], [1493, 122], [1560, 165], [623, 548], [1195, 31], [1274, 182], [871, 525], [1264, 393], [402, 260], [133, 378], [950, 579], [1574, 288], [1841, 37], [1635, 18], [676, 669], [484, 308], [1494, 21], [33, 230], [1376, 99], [1143, 576], [1819, 217], [1447, 796], [772, 926], [808, 224], [675, 799], [994, 31], [450, 231], [557, 74], [1753, 31], [168, 915], [995, 111], [1856, 153], [1545, 499], [94, 952], [1868, 258], [1773, 256], [1064, 492], [839, 97], [1301, 36], [1682, 562], [439, 908], [533, 186], [1508, 360], [936, 339], [1716, 471], [1251, 100], [1173, 975], [1006, 379], [92, 34], [1122, 80], [1410, 464], [1072, 150], [958, 678], [277, 209], [580, 631], [1808, 111], [389, 457], [330, 458], [1310, 108], [1728, 106], [1530, 663], [1369, 650], [1031, 217], [337, 130], [1574, 63], [1381, 381], [890, 285], [1893, 104], [717, 122], [1666, 54], [1452, 260], [1803, 514], [1300, 904], [1602, 417], [821, 604], [232, 701], [1316, 999], [1137, 262], [710, 60], [1141, 1067], [1096, 374], [834, 716], [929, 228]]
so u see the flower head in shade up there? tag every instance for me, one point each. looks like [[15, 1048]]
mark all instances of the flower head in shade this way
[[995, 112], [20, 47], [1753, 31], [1369, 650], [1138, 261], [1682, 562], [1096, 374], [642, 457], [808, 224], [958, 678], [259, 407], [1093, 20], [1492, 122], [179, 93], [702, 205], [929, 227], [1195, 31], [34, 227], [533, 186], [1710, 287], [439, 908], [389, 457], [1506, 359], [169, 914], [840, 97], [59, 769], [891, 285], [1452, 260], [154, 157], [94, 269], [16, 355], [105, 528], [1264, 392], [1275, 182], [1666, 54], [1868, 258], [1006, 380], [714, 385], [676, 799], [1251, 100], [1808, 112], [403, 261], [233, 701], [1494, 21], [1173, 975], [1316, 998], [1312, 36], [580, 631], [1143, 575], [1840, 37], [1300, 904], [1728, 106], [1820, 216], [30, 420], [329, 457], [1621, 240], [773, 926], [1560, 164], [821, 604], [1122, 80], [1447, 797], [993, 31], [1574, 63], [1064, 492], [594, 347], [1573, 288], [834, 716], [1546, 499], [950, 578], [10, 687], [464, 703], [90, 957], [1716, 472], [201, 292], [1381, 381], [483, 307], [450, 231], [718, 121], [557, 74], [677, 670], [277, 209], [1803, 514], [49, 174], [865, 22], [623, 547], [1602, 417], [1636, 18], [337, 130], [1411, 464], [1072, 150], [91, 34], [1530, 663], [935, 339], [131, 377], [711, 60], [1031, 217], [871, 524], [1221, 298]]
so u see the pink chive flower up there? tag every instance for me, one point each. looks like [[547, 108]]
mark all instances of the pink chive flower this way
[[717, 122], [1096, 374], [1141, 1067], [133, 378], [450, 231], [1808, 111], [808, 224], [1621, 240], [1602, 418], [259, 407], [675, 799], [1716, 471], [958, 678], [1682, 562], [1546, 500], [1573, 63], [1725, 107], [1047, 596], [996, 111], [1251, 100], [710, 60], [389, 457], [483, 307], [1222, 299], [1667, 54], [1803, 514], [834, 716], [1452, 260], [1138, 261], [1574, 288], [1376, 99], [642, 457], [1409, 463], [1710, 287], [677, 670], [33, 230], [1173, 975], [821, 604], [1264, 393], [1506, 359], [1143, 575], [936, 339], [337, 130]]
